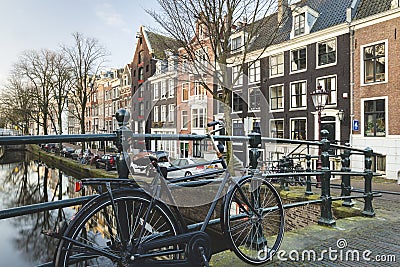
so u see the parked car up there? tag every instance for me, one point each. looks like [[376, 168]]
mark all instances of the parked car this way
[[67, 152], [108, 162], [50, 148], [77, 154], [181, 162], [141, 163]]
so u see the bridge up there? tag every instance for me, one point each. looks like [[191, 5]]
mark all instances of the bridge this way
[[254, 140]]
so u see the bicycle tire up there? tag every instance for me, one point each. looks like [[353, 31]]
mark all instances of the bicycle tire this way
[[250, 235], [95, 224]]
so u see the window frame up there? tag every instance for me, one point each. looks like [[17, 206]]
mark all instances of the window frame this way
[[185, 87], [271, 135], [363, 116], [184, 119], [237, 70], [171, 113], [279, 109], [331, 104], [271, 66], [254, 88], [291, 127], [304, 95], [292, 60], [156, 112], [237, 95], [362, 63], [318, 55], [301, 29], [254, 72]]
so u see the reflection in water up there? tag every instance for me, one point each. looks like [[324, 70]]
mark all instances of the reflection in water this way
[[24, 183]]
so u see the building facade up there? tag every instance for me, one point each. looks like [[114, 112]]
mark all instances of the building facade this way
[[376, 102]]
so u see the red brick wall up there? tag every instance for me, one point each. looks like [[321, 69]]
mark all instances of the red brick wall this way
[[390, 31]]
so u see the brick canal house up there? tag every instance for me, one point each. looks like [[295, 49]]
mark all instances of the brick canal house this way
[[150, 48], [311, 48], [376, 67]]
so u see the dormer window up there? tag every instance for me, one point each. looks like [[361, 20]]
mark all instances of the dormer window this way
[[304, 19], [299, 24], [236, 43]]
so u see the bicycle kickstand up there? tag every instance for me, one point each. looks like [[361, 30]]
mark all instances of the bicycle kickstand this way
[[204, 257]]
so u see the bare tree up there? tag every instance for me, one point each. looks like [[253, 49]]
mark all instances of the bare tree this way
[[207, 26], [61, 86], [86, 57], [38, 68], [16, 104]]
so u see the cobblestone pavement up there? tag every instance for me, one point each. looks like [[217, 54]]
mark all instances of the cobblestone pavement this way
[[355, 241]]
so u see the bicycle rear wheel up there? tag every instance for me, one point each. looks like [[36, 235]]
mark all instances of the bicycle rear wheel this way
[[103, 243], [253, 220]]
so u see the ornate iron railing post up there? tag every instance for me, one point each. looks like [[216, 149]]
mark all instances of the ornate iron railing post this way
[[326, 204], [368, 209], [346, 187], [283, 168], [254, 154], [308, 181], [122, 116]]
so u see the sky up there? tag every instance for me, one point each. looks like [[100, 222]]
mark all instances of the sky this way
[[46, 24]]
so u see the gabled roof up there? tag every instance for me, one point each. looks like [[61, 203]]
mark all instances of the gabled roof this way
[[371, 7], [160, 43], [331, 13]]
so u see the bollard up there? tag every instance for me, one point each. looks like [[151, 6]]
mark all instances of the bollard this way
[[345, 185], [326, 204], [368, 209], [122, 116], [254, 144], [308, 181]]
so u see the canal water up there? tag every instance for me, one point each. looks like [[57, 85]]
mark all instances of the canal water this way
[[25, 180]]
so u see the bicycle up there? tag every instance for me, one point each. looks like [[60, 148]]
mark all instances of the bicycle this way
[[127, 226]]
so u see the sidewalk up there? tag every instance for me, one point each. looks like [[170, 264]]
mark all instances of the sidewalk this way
[[355, 241]]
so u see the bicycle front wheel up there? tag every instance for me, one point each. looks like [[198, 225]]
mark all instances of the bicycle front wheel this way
[[101, 235], [254, 220]]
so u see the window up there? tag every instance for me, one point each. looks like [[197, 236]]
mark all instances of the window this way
[[374, 118], [237, 104], [299, 24], [276, 65], [198, 118], [185, 91], [276, 128], [276, 97], [298, 129], [236, 43], [202, 57], [329, 85], [220, 104], [171, 88], [237, 75], [254, 72], [327, 52], [141, 109], [199, 89], [298, 59], [156, 110], [141, 57], [254, 98], [374, 63], [155, 91], [171, 112], [298, 95], [163, 113], [141, 76], [164, 89], [237, 128], [184, 119]]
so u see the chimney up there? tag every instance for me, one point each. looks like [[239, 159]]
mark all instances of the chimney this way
[[282, 6]]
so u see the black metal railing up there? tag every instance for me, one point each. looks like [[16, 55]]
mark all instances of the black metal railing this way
[[119, 137]]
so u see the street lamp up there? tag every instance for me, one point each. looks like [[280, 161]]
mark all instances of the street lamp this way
[[319, 97], [340, 114]]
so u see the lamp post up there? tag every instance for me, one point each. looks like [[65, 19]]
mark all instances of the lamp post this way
[[319, 97]]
